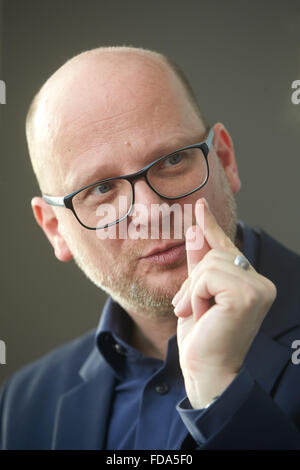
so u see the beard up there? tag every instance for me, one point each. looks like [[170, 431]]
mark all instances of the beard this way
[[133, 292]]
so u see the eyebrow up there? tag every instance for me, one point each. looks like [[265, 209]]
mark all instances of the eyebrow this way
[[76, 182], [94, 175]]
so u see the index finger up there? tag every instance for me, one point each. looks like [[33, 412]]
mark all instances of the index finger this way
[[213, 233], [207, 234], [196, 246]]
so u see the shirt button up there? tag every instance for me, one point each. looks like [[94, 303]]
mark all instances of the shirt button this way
[[162, 389], [119, 349]]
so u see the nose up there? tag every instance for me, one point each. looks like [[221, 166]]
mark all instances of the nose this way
[[144, 199], [144, 194]]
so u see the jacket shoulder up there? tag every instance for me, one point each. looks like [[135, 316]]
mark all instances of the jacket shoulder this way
[[271, 247], [282, 266], [31, 394], [63, 361]]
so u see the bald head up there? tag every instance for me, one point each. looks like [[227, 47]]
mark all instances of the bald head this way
[[96, 86]]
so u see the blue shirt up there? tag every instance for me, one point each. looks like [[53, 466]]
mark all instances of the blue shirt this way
[[150, 408]]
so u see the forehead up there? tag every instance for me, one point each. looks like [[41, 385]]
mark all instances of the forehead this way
[[116, 118]]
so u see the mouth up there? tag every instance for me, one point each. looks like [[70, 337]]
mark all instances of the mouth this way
[[167, 254]]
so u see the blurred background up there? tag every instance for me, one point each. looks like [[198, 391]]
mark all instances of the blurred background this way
[[241, 58]]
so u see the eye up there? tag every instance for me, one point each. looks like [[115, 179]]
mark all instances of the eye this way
[[102, 188], [174, 159]]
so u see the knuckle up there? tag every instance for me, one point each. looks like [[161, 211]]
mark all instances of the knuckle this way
[[203, 272], [194, 295], [226, 243], [211, 266], [250, 296], [272, 290], [232, 304], [202, 277], [212, 253], [269, 290]]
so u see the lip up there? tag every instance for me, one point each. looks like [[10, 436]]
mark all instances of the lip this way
[[163, 248], [166, 255]]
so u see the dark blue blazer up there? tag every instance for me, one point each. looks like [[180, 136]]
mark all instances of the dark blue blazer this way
[[62, 400]]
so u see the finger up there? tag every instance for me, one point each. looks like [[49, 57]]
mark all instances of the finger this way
[[196, 246], [212, 255], [184, 307], [179, 294], [221, 268], [226, 290], [224, 265], [207, 234], [213, 233]]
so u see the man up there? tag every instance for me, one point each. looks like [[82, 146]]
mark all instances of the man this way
[[215, 372]]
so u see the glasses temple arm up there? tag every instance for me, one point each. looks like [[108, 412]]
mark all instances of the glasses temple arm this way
[[54, 201], [209, 138]]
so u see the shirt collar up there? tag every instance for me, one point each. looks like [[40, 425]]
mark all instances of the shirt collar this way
[[113, 342], [115, 320]]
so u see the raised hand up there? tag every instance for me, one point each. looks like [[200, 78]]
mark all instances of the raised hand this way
[[220, 308]]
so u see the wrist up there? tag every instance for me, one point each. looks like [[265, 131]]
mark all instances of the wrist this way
[[203, 392]]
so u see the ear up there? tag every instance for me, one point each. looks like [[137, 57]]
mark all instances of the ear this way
[[224, 148], [46, 219]]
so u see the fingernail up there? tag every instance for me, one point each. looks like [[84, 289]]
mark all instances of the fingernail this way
[[183, 303], [190, 235], [177, 297], [206, 203]]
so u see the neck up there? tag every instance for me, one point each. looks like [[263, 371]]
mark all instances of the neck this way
[[151, 335]]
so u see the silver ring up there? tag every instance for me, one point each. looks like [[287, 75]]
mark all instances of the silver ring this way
[[241, 262]]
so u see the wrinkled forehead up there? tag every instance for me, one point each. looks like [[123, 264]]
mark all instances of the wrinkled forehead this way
[[94, 107]]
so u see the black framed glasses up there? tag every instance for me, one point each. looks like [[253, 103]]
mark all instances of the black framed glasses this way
[[109, 201]]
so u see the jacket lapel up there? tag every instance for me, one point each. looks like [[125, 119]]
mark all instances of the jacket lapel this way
[[83, 412], [266, 359], [269, 355], [282, 266]]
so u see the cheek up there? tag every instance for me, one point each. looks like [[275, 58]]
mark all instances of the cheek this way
[[102, 249], [214, 189], [223, 176], [83, 243]]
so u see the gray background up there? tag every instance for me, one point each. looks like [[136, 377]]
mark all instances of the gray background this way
[[241, 58]]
